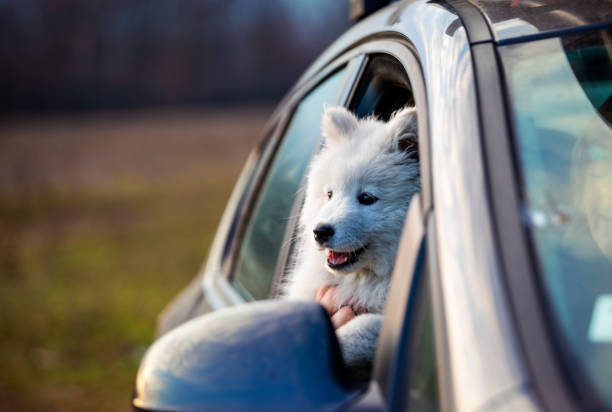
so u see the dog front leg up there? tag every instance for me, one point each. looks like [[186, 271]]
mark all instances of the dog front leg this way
[[358, 340]]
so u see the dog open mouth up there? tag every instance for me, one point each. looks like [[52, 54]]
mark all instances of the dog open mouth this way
[[338, 260]]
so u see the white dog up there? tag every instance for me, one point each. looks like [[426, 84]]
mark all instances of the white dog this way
[[359, 188]]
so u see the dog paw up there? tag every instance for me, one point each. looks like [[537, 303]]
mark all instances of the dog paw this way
[[358, 338]]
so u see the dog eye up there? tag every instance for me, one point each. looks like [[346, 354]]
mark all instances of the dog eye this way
[[366, 199], [329, 194]]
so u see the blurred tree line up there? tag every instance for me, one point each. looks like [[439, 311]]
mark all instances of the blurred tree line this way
[[58, 55]]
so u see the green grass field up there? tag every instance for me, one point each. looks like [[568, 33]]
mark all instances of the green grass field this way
[[89, 256]]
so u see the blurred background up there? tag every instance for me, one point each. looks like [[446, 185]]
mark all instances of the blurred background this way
[[123, 126]]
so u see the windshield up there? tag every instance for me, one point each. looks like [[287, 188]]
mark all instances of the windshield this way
[[560, 94]]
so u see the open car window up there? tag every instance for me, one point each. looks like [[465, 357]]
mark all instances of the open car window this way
[[383, 89]]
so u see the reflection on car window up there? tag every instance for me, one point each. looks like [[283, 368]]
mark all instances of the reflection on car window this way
[[249, 172], [423, 392], [256, 261], [561, 98]]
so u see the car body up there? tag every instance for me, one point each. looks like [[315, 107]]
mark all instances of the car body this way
[[473, 321]]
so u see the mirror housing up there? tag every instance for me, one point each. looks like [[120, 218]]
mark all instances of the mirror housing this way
[[270, 355]]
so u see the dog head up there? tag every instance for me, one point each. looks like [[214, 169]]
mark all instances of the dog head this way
[[359, 187]]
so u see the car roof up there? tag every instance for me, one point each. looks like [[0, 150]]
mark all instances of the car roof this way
[[499, 21], [514, 19]]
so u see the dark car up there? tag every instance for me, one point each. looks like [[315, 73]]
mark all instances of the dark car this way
[[501, 298]]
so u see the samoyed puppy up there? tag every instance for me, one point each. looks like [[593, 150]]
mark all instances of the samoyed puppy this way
[[358, 190]]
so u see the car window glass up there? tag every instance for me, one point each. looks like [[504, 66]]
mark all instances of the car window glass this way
[[422, 370], [561, 107], [252, 166], [258, 253]]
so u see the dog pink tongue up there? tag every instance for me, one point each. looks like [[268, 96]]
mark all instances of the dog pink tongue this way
[[337, 258]]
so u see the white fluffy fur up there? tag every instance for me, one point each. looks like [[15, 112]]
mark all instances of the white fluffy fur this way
[[359, 156]]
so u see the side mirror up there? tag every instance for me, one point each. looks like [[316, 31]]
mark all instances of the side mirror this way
[[271, 355]]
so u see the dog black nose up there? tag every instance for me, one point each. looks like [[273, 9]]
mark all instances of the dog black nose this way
[[322, 233]]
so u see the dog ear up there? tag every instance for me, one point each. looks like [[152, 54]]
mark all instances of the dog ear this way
[[337, 123], [403, 129]]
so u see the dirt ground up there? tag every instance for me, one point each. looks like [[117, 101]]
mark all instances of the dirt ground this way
[[97, 149], [103, 218]]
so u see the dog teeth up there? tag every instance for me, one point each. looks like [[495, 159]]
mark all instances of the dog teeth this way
[[337, 258]]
